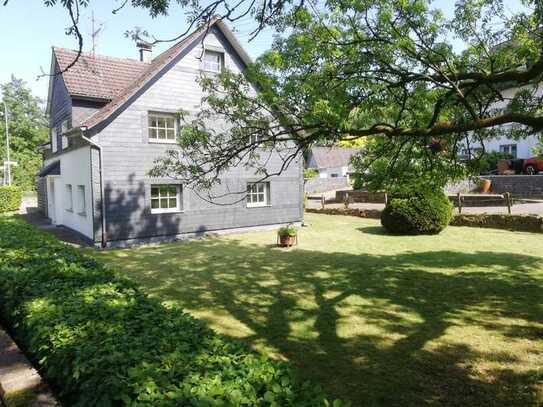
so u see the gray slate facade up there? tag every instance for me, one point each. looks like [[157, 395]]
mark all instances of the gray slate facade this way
[[121, 177]]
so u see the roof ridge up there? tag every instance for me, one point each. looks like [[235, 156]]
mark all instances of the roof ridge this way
[[101, 56], [156, 65]]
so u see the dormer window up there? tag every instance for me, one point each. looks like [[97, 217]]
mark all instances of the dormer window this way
[[213, 61]]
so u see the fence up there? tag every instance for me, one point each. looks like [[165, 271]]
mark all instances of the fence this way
[[481, 200]]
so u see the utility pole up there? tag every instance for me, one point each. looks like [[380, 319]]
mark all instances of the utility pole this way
[[8, 165]]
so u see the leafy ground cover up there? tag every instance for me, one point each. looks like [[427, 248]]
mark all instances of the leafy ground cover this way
[[449, 320], [100, 341]]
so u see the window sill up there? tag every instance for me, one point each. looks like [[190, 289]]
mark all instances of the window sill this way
[[258, 206], [153, 141], [69, 210], [82, 214], [165, 211]]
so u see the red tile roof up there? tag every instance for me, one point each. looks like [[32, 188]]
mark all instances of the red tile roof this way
[[98, 76], [152, 69], [117, 79]]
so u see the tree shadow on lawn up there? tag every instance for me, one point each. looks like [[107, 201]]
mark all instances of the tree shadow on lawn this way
[[380, 330]]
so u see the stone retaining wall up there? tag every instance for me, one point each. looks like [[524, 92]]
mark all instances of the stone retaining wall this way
[[361, 213], [520, 223], [361, 196], [527, 186]]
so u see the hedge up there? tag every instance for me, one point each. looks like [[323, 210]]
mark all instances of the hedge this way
[[11, 197], [100, 341]]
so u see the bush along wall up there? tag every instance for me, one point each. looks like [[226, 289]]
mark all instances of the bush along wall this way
[[425, 213], [100, 341], [11, 197]]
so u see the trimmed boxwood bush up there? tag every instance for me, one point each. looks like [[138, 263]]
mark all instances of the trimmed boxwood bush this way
[[11, 197], [426, 213], [100, 341]]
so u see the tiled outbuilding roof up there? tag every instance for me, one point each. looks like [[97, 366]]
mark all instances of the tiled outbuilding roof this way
[[97, 76], [332, 157]]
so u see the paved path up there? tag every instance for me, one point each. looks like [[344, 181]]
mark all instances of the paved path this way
[[19, 380], [29, 212]]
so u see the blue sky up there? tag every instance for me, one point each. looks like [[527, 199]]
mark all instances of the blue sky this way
[[28, 29]]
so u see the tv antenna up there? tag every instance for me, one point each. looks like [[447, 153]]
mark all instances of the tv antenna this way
[[96, 29]]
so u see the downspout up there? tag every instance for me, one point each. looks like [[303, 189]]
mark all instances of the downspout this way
[[102, 191]]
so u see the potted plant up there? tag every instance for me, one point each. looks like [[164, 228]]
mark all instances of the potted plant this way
[[287, 236], [484, 185]]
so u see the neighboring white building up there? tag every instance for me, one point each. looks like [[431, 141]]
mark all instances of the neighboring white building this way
[[522, 148], [331, 162]]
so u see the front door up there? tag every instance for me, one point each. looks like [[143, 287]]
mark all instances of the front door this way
[[51, 204]]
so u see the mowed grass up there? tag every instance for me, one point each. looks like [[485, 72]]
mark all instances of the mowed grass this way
[[448, 320]]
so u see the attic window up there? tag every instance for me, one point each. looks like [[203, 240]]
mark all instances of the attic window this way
[[162, 128], [213, 61]]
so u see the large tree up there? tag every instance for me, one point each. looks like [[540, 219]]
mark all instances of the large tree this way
[[27, 130], [419, 85], [383, 70]]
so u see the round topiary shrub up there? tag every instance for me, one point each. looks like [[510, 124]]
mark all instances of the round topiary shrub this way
[[421, 214], [11, 197]]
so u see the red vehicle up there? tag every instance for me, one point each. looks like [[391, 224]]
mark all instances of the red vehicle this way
[[533, 165]]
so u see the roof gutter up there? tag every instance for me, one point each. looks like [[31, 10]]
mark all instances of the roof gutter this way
[[83, 129]]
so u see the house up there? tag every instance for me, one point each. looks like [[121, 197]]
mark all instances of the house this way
[[517, 148], [330, 162], [110, 118]]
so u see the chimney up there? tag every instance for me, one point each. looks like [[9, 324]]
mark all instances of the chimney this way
[[146, 51]]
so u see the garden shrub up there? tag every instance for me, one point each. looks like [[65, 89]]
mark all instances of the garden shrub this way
[[11, 197], [425, 213], [100, 341]]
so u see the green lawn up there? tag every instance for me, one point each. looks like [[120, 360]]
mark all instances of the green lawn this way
[[454, 319]]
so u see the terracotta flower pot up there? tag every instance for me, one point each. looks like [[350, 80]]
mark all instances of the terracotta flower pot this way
[[287, 241], [485, 185]]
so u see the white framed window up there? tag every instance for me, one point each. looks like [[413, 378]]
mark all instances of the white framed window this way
[[80, 200], [213, 61], [509, 149], [64, 127], [54, 146], [165, 198], [258, 194], [162, 128], [69, 200]]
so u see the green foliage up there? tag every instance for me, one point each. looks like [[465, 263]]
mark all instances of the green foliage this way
[[384, 70], [289, 230], [310, 173], [424, 213], [11, 197], [357, 180], [488, 162], [390, 166], [101, 341], [27, 129]]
